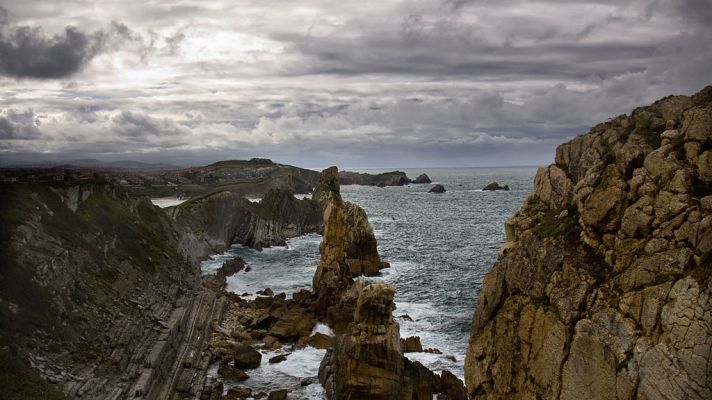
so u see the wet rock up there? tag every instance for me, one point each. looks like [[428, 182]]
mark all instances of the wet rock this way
[[280, 394], [231, 373], [237, 393], [438, 188], [495, 186], [277, 359], [320, 341], [246, 356]]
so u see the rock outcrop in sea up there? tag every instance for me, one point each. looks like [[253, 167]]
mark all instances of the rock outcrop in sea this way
[[367, 361], [348, 249], [495, 186], [602, 289], [438, 188]]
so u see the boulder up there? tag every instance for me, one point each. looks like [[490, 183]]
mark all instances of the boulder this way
[[231, 373], [320, 341], [277, 359], [246, 356], [495, 186], [438, 188], [280, 394], [422, 178], [294, 323]]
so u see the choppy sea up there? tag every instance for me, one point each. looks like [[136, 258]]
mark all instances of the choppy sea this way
[[439, 245]]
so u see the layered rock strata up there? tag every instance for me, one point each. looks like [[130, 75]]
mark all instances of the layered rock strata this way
[[214, 222], [603, 289], [97, 296]]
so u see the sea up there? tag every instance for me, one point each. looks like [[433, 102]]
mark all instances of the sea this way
[[440, 246]]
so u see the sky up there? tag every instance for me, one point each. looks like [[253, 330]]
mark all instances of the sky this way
[[349, 83]]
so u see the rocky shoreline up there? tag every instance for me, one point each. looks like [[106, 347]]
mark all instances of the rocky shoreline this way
[[272, 321]]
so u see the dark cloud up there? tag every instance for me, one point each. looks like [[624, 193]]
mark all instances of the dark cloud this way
[[27, 52], [19, 125]]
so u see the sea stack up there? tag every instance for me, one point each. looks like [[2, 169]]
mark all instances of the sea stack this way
[[602, 289], [348, 249]]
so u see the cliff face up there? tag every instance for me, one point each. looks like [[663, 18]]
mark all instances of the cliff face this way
[[96, 295], [214, 222], [603, 289]]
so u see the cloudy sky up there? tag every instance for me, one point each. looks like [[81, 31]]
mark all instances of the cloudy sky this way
[[353, 83]]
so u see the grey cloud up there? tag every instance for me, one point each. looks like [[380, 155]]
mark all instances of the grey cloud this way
[[140, 126], [27, 52], [19, 125]]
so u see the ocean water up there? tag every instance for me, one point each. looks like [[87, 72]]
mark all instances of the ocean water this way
[[439, 245]]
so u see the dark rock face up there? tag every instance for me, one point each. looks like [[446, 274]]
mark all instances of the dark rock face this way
[[367, 362], [437, 189], [495, 186], [602, 288], [422, 178], [214, 222], [109, 269], [246, 357], [395, 178]]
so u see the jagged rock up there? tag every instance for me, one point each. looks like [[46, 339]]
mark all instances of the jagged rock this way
[[348, 248], [367, 362], [599, 291], [437, 189], [422, 178], [231, 373], [411, 344], [246, 356], [495, 186]]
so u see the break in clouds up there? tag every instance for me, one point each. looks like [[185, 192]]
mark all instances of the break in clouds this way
[[403, 83]]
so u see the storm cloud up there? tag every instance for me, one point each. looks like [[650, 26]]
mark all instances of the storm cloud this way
[[403, 83]]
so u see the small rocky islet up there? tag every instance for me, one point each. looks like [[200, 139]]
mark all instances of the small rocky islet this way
[[601, 290]]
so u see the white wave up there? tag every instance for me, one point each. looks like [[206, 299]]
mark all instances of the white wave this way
[[303, 363], [323, 329], [167, 201]]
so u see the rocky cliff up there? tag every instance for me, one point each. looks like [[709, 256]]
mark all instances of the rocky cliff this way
[[367, 361], [214, 222], [603, 289], [96, 295]]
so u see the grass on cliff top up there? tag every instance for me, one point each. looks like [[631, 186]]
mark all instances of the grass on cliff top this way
[[19, 382]]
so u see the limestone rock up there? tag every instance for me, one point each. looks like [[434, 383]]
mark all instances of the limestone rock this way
[[602, 288]]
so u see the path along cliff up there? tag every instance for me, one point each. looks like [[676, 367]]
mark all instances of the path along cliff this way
[[603, 289]]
